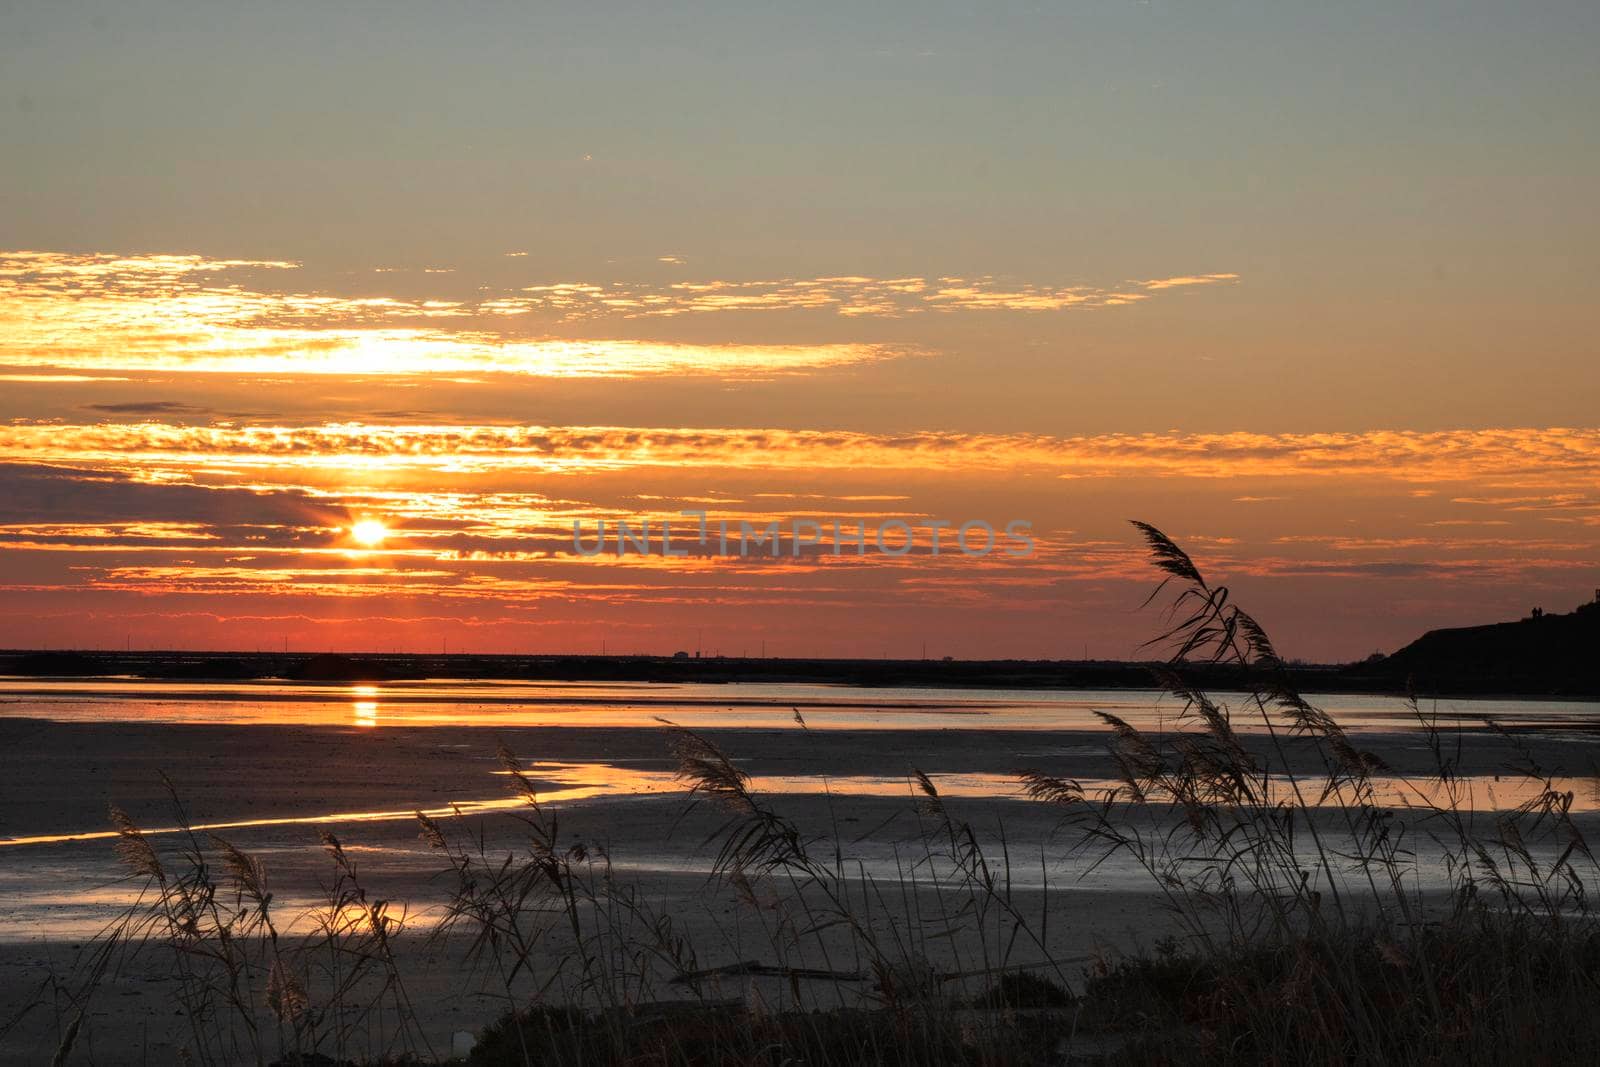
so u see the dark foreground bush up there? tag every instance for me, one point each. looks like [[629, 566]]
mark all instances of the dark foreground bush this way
[[1491, 991], [697, 1035], [1496, 991]]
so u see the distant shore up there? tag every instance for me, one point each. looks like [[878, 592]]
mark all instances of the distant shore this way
[[1373, 676], [177, 665]]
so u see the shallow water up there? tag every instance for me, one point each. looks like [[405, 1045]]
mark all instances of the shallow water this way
[[569, 782], [735, 705], [607, 787]]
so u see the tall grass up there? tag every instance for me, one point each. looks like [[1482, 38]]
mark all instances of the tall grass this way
[[1319, 922], [1324, 925]]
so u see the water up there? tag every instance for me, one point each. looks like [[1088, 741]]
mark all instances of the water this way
[[441, 702], [346, 775]]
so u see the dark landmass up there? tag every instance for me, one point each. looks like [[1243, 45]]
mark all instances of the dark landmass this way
[[377, 666], [1544, 655]]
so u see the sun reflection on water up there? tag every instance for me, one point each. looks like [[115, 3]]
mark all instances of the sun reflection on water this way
[[364, 707]]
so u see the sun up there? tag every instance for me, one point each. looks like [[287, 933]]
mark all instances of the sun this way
[[369, 532]]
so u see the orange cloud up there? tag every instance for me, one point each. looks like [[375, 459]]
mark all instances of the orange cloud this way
[[1157, 284], [169, 314], [196, 315], [847, 295], [1508, 457]]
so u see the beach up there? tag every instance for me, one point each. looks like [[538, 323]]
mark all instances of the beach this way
[[171, 758]]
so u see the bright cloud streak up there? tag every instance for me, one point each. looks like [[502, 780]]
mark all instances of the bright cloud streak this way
[[1523, 457], [169, 314], [189, 314]]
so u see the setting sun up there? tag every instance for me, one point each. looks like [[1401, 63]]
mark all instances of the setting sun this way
[[369, 532]]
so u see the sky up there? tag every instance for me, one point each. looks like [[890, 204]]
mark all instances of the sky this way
[[1310, 287]]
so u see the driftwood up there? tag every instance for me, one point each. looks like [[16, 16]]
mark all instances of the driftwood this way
[[757, 969]]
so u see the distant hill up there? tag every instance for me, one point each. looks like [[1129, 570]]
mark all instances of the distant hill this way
[[1544, 654]]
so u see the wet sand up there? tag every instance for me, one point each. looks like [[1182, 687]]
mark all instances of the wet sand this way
[[60, 777]]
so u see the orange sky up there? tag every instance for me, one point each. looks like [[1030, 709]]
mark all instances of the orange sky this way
[[1309, 288], [192, 442]]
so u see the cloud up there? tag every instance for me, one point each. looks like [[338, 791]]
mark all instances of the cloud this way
[[147, 407], [846, 295], [55, 378], [169, 314], [115, 269], [1542, 502], [1521, 457], [34, 495], [1158, 284], [1486, 570], [189, 314]]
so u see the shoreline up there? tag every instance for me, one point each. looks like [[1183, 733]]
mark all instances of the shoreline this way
[[1064, 675]]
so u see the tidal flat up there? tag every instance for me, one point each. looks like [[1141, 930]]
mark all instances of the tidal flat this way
[[867, 777]]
